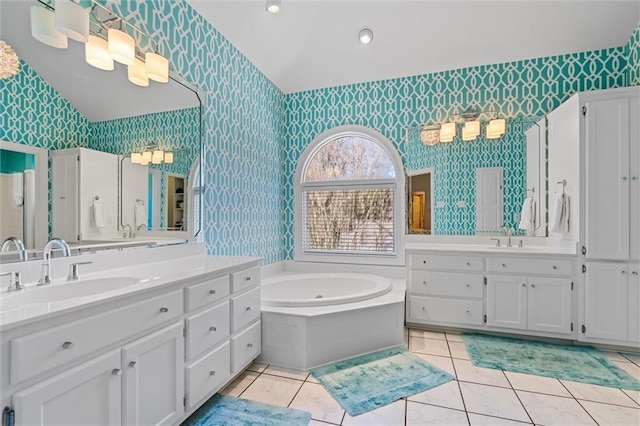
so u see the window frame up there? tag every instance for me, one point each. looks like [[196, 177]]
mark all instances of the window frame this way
[[397, 184]]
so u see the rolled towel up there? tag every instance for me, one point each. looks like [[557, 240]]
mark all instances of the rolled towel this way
[[555, 213], [566, 214], [528, 216], [140, 215], [98, 215]]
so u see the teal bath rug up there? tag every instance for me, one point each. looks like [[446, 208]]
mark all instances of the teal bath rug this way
[[229, 411], [370, 381], [576, 363]]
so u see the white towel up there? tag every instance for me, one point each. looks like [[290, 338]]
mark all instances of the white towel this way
[[528, 216], [18, 191], [560, 211], [140, 215], [97, 214]]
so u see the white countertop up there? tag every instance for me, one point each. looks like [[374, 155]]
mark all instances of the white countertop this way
[[150, 275], [535, 250]]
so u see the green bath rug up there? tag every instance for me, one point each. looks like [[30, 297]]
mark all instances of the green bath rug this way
[[576, 363]]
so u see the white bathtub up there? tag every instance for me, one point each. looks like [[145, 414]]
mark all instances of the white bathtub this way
[[354, 315], [322, 289]]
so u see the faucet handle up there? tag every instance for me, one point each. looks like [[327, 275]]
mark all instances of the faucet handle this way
[[73, 270], [15, 280], [497, 240]]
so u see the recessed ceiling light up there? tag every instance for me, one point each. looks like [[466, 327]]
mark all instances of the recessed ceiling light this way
[[365, 36], [273, 6]]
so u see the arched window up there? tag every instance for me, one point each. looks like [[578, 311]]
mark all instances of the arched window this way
[[349, 198]]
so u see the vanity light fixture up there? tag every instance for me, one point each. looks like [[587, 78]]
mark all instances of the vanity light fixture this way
[[496, 128], [96, 53], [122, 47], [168, 157], [9, 61], [470, 130], [72, 20], [365, 36], [43, 28], [137, 74], [471, 122], [447, 132], [153, 155], [156, 67], [273, 6]]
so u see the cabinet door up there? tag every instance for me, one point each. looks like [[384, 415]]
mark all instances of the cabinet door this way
[[507, 301], [153, 381], [634, 172], [634, 303], [85, 395], [549, 305], [605, 313], [607, 179]]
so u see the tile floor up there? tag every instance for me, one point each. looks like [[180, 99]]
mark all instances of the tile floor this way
[[479, 396]]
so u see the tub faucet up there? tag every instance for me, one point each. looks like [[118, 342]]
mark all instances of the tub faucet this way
[[45, 278], [19, 246]]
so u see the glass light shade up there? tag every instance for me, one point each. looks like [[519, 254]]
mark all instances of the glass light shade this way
[[157, 157], [43, 28], [157, 67], [365, 36], [122, 48], [96, 53], [447, 132], [146, 157], [273, 6], [496, 128], [72, 20], [168, 157], [430, 135], [471, 130], [136, 157], [137, 74]]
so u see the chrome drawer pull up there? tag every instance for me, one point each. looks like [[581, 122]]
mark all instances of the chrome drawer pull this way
[[67, 345], [424, 282], [468, 286], [212, 373], [424, 261], [249, 345], [248, 278], [424, 309], [468, 263], [468, 312], [132, 364], [634, 273], [164, 310], [212, 292], [533, 286], [212, 329], [248, 308], [624, 272], [504, 265], [555, 267], [524, 285], [116, 372]]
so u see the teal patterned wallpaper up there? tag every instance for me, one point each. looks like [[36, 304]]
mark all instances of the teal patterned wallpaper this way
[[515, 89], [633, 58]]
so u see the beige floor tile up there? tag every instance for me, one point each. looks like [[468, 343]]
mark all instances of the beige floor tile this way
[[425, 334], [614, 356], [481, 420], [629, 367], [635, 395], [285, 372], [446, 395], [531, 383], [598, 393], [635, 358], [272, 390], [606, 414], [467, 372], [389, 415], [257, 367], [554, 410], [454, 337], [458, 350], [316, 400], [428, 346], [421, 414], [311, 379], [239, 385], [493, 401], [442, 362]]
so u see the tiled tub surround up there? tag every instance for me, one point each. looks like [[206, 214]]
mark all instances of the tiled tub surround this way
[[175, 326]]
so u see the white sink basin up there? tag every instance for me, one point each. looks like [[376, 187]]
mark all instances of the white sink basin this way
[[58, 291]]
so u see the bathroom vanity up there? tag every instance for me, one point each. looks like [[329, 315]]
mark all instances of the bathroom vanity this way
[[144, 342]]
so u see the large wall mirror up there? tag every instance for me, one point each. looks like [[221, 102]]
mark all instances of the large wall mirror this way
[[103, 113], [479, 187]]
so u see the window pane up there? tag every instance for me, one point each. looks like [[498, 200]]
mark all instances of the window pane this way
[[349, 158], [349, 221]]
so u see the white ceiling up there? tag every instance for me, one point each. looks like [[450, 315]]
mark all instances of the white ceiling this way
[[98, 95], [313, 44]]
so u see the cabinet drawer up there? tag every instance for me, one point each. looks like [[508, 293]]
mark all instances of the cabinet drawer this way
[[207, 374], [202, 294], [245, 347], [206, 329], [245, 279], [529, 266], [433, 309], [246, 308], [456, 263], [39, 352], [450, 284]]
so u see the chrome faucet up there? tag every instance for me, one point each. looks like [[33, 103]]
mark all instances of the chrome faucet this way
[[45, 278], [510, 232], [126, 234], [19, 246]]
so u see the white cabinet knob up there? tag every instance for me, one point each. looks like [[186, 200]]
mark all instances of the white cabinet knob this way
[[67, 345], [116, 372], [132, 364]]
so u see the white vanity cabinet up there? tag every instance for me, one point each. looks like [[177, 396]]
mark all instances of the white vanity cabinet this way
[[149, 359]]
